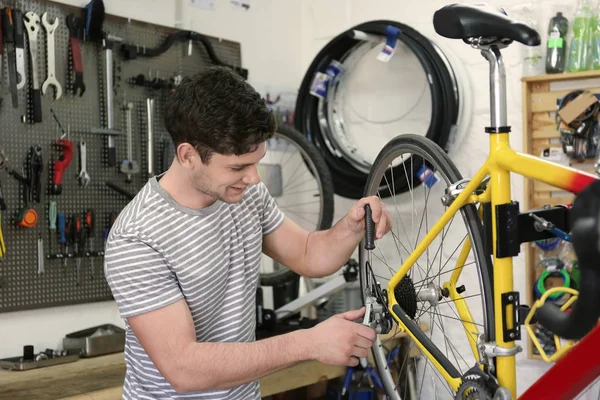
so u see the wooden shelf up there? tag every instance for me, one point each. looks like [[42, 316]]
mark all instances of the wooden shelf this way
[[562, 77], [539, 133]]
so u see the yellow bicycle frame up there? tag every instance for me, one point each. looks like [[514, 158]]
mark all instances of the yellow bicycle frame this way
[[502, 160]]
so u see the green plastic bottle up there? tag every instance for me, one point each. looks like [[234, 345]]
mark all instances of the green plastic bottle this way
[[596, 40], [580, 48]]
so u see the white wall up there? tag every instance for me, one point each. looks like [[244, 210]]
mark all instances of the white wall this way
[[270, 28]]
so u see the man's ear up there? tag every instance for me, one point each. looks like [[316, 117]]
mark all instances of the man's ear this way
[[187, 154]]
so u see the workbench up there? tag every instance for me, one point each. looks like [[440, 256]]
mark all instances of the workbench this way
[[101, 378]]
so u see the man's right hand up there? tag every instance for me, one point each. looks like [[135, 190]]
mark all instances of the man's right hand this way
[[341, 341]]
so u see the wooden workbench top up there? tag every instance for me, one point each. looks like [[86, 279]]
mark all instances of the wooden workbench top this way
[[101, 378]]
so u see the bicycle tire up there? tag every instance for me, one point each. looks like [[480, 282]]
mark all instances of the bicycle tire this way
[[348, 181], [284, 275], [428, 149]]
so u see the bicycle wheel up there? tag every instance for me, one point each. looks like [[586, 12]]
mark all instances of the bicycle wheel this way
[[424, 293], [297, 177]]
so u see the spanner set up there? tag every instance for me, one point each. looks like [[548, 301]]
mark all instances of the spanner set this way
[[14, 27]]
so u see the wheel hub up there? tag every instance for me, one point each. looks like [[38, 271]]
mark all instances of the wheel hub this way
[[431, 294]]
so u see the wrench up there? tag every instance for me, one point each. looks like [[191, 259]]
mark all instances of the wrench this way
[[51, 79], [129, 166], [32, 23], [83, 177]]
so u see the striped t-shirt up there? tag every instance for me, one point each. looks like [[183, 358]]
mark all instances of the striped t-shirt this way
[[159, 252]]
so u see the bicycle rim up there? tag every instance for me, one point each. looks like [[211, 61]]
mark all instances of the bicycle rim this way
[[410, 213], [298, 178]]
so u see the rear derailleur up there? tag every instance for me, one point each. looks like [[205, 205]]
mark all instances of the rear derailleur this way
[[377, 315]]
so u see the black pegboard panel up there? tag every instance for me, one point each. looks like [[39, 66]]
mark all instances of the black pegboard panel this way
[[21, 286]]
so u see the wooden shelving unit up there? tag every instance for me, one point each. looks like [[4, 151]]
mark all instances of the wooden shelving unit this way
[[539, 133]]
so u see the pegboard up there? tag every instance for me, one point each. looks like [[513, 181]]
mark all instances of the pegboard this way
[[21, 285]]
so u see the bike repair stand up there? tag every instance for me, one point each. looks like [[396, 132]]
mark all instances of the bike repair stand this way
[[273, 321], [349, 274]]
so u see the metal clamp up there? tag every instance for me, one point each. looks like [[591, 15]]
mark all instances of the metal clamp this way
[[488, 350], [454, 190]]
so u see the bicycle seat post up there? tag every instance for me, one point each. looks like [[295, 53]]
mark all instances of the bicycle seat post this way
[[498, 118]]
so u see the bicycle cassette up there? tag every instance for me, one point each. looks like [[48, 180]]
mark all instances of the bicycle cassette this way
[[406, 296]]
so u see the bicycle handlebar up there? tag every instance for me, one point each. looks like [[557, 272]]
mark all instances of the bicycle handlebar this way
[[586, 310]]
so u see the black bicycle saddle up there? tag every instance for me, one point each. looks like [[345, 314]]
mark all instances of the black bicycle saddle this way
[[463, 21]]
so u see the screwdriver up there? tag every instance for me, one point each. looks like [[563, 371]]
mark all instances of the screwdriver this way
[[112, 217], [90, 222], [52, 217], [77, 236], [62, 237]]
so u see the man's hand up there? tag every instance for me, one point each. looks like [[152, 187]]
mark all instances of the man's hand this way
[[381, 217], [341, 341]]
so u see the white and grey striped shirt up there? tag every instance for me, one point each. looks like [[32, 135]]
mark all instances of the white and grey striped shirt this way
[[159, 252]]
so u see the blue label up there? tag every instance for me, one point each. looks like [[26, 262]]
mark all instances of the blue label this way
[[427, 176], [319, 85]]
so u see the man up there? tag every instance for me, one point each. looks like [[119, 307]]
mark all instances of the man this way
[[183, 257]]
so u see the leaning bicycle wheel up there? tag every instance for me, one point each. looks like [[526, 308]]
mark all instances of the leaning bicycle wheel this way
[[297, 177], [447, 277]]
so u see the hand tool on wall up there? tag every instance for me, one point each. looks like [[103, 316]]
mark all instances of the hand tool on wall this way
[[8, 33], [2, 245], [52, 219], [40, 255], [51, 78], [36, 166], [112, 217], [32, 24], [83, 177], [1, 48], [2, 208], [108, 42], [27, 217], [90, 223], [129, 165], [75, 31], [62, 235], [77, 236], [2, 202], [61, 164], [19, 48], [150, 139]]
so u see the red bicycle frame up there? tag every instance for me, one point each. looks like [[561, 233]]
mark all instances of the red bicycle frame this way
[[571, 374]]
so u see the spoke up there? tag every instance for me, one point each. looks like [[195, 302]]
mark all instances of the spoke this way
[[453, 348], [458, 319], [447, 272]]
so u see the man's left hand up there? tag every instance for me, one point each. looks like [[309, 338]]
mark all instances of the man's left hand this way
[[381, 217]]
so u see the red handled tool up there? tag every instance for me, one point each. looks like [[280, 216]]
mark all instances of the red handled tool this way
[[61, 164]]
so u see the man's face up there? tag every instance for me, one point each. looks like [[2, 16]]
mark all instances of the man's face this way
[[227, 176]]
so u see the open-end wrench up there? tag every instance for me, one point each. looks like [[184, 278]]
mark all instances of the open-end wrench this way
[[32, 24], [129, 166], [17, 17], [74, 25], [51, 79], [83, 177]]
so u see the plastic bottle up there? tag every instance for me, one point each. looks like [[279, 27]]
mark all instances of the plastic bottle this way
[[596, 40], [579, 50], [533, 57], [556, 51]]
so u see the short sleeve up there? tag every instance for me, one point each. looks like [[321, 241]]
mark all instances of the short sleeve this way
[[138, 275], [272, 216]]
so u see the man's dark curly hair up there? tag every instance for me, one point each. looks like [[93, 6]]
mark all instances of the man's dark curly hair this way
[[216, 111]]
